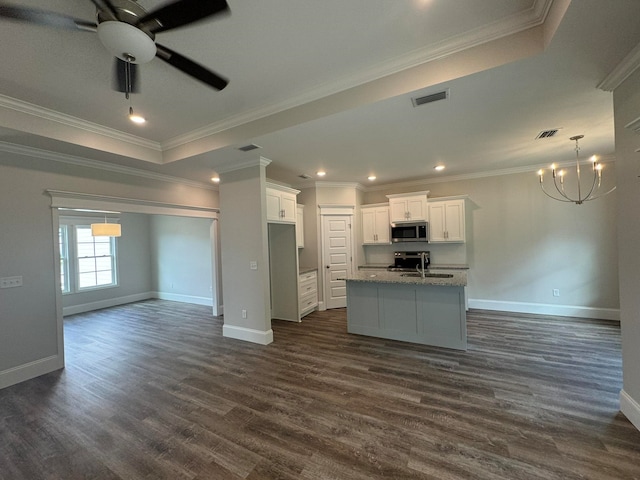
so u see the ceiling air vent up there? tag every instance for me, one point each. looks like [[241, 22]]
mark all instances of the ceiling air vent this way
[[434, 97], [547, 133], [304, 176], [248, 148]]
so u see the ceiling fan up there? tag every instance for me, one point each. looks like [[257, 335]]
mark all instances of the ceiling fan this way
[[128, 32]]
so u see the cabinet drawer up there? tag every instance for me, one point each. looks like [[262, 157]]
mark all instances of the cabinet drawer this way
[[307, 282], [308, 286], [308, 276], [308, 302]]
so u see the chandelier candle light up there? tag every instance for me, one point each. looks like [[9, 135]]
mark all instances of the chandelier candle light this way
[[559, 184]]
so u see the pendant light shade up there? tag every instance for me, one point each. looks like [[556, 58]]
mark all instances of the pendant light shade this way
[[106, 229]]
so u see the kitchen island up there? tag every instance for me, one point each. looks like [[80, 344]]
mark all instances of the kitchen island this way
[[429, 311]]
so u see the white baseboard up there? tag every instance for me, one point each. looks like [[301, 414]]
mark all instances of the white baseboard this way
[[110, 302], [321, 307], [630, 408], [219, 311], [31, 370], [547, 309], [248, 334], [175, 297]]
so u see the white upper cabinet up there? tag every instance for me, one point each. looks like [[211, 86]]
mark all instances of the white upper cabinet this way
[[409, 207], [447, 220], [281, 204], [300, 226], [375, 225]]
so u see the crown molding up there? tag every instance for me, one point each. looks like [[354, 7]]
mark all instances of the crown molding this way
[[476, 175], [634, 125], [533, 17], [66, 199], [622, 71], [98, 165], [74, 122]]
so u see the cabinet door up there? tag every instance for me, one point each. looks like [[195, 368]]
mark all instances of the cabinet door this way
[[300, 226], [454, 221], [382, 227], [368, 225], [273, 205], [416, 208], [288, 206], [398, 210], [437, 222]]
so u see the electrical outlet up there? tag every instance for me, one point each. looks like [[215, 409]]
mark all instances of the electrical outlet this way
[[556, 292], [244, 313], [11, 282], [253, 265]]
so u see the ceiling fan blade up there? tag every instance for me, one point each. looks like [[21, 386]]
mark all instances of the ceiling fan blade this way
[[191, 68], [180, 13], [44, 17], [120, 77], [107, 7]]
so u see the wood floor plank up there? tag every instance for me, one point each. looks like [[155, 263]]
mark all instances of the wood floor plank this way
[[153, 390]]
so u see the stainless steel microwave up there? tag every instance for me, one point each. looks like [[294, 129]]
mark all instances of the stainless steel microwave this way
[[410, 232]]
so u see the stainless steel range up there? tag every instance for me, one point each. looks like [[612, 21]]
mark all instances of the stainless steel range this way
[[408, 261]]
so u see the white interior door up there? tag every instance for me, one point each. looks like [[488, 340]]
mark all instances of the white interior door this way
[[336, 246]]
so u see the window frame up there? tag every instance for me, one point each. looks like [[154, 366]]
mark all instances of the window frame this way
[[71, 225]]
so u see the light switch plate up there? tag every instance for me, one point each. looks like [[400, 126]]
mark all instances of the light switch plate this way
[[11, 282], [253, 265]]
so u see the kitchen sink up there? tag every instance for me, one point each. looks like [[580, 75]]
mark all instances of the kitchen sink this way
[[427, 275]]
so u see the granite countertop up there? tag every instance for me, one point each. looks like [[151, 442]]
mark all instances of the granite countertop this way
[[303, 270], [433, 266], [458, 278]]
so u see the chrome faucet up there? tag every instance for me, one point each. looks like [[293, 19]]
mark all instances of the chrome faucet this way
[[422, 269]]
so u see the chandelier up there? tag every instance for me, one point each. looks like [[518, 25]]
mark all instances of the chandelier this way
[[558, 180]]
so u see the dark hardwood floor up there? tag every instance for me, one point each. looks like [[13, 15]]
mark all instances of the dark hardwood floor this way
[[152, 390]]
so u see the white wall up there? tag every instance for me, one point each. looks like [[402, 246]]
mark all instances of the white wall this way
[[29, 341], [244, 238], [181, 258], [627, 109], [521, 245]]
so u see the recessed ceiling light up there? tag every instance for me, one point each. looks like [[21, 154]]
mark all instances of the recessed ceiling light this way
[[371, 178], [321, 173], [215, 179], [439, 168]]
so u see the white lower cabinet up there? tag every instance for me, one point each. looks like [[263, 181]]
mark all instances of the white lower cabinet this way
[[308, 292]]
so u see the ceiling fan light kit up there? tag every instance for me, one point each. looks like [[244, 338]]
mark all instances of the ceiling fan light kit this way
[[126, 41], [127, 31]]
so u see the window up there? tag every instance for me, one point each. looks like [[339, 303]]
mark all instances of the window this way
[[86, 262], [63, 239]]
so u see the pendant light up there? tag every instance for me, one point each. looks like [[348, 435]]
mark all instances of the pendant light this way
[[106, 229]]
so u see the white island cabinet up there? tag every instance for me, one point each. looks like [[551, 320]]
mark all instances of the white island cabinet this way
[[426, 311]]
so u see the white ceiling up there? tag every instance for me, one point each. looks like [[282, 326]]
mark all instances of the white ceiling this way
[[328, 85]]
